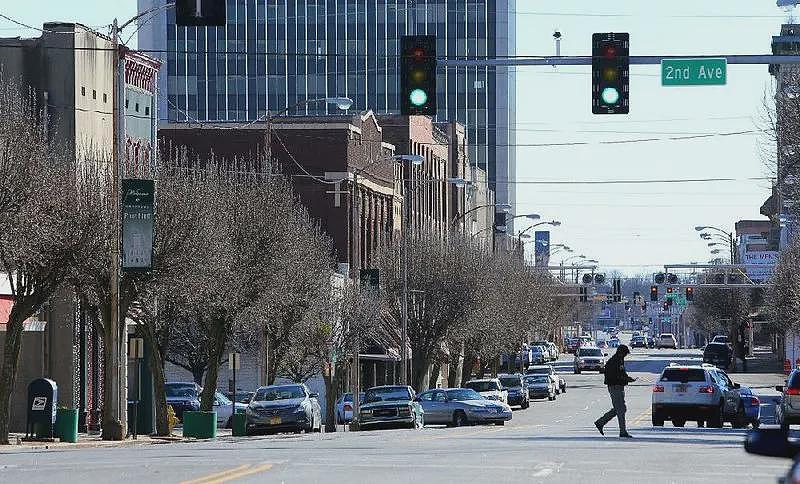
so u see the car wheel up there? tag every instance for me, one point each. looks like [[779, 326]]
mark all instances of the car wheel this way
[[658, 421], [460, 419], [526, 404], [756, 424], [564, 389], [715, 420], [551, 397], [500, 422], [577, 372], [701, 424], [678, 423]]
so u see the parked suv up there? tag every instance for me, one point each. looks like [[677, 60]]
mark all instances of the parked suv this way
[[489, 388], [702, 393], [589, 358], [517, 391], [718, 354], [667, 340], [787, 411]]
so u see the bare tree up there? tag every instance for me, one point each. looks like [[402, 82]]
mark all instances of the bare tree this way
[[43, 222], [783, 295]]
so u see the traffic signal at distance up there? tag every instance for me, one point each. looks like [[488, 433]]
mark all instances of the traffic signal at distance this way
[[653, 293], [669, 290], [202, 13], [418, 75], [690, 294], [610, 73], [584, 296]]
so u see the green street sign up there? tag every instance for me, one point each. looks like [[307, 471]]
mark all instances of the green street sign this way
[[694, 72]]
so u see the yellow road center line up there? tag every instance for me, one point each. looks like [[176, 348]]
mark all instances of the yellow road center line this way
[[216, 475], [240, 474]]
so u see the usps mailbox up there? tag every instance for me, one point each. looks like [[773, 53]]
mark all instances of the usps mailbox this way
[[42, 405]]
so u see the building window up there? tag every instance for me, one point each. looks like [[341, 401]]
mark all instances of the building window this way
[[137, 107], [94, 94], [105, 98], [147, 110], [126, 104], [83, 91]]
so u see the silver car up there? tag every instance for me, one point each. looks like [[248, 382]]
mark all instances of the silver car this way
[[787, 411], [540, 386], [560, 382], [461, 406], [280, 408]]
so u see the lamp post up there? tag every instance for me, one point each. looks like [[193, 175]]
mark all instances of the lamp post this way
[[554, 223], [503, 207], [728, 235]]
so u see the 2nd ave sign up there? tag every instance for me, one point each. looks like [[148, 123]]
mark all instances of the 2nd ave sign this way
[[694, 72]]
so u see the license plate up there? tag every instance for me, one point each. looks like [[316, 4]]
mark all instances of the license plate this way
[[275, 421], [681, 388]]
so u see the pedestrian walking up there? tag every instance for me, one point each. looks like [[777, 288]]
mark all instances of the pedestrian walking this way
[[616, 379]]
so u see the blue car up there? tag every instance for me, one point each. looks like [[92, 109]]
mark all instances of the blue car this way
[[183, 397], [752, 406]]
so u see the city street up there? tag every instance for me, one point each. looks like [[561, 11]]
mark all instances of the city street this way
[[551, 441]]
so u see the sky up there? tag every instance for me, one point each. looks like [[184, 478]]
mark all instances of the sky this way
[[634, 228]]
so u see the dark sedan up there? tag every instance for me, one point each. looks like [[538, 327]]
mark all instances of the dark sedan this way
[[183, 397], [391, 405], [517, 391], [718, 354], [279, 408]]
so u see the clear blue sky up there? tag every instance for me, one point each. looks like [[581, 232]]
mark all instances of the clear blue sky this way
[[624, 226]]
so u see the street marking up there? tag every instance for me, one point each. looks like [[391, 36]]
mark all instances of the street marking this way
[[230, 474], [543, 472]]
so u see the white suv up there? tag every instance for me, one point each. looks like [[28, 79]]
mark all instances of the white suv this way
[[701, 393], [589, 358], [489, 388], [667, 340]]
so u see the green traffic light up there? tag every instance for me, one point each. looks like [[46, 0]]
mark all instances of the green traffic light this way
[[610, 95], [418, 97]]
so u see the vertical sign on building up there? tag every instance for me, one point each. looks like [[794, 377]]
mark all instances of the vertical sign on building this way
[[138, 210], [542, 248]]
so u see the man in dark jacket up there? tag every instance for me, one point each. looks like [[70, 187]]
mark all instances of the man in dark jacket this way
[[616, 378]]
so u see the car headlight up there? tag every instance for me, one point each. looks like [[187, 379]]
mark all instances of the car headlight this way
[[366, 411]]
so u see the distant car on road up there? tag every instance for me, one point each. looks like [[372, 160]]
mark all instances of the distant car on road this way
[[651, 342], [344, 407], [540, 386], [489, 388], [517, 394], [720, 339], [613, 343], [278, 408], [558, 380], [589, 358], [787, 411], [718, 354], [554, 353], [539, 355], [391, 405], [667, 340], [701, 393], [602, 344], [458, 407], [639, 342]]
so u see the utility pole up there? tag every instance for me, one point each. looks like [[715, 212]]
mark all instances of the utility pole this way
[[404, 309], [355, 374]]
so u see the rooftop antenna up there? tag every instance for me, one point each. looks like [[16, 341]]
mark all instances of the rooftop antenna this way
[[557, 39]]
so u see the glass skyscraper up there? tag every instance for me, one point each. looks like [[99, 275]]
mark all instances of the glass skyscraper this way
[[274, 54]]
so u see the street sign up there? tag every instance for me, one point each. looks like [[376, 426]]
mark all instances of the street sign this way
[[234, 361], [694, 72]]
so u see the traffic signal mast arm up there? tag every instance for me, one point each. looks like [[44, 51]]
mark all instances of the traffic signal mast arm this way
[[757, 59]]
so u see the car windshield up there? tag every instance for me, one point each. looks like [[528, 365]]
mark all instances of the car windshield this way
[[483, 386], [463, 394], [348, 397], [717, 348], [684, 375], [178, 391], [591, 352], [511, 381], [222, 399], [536, 379], [538, 371], [387, 394], [288, 392]]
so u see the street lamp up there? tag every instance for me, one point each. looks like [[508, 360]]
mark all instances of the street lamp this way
[[703, 229], [554, 223]]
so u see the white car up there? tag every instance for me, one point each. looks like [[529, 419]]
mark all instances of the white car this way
[[489, 388], [224, 408], [702, 393], [667, 340], [589, 358]]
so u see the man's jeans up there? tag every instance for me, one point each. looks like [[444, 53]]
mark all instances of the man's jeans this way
[[617, 393]]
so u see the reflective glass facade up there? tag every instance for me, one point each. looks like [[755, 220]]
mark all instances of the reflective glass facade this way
[[274, 54]]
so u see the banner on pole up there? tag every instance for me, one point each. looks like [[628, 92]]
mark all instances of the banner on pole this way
[[138, 210], [542, 248]]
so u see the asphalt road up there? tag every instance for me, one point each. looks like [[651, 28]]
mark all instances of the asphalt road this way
[[549, 442]]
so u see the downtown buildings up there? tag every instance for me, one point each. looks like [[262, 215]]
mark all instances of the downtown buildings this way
[[273, 55]]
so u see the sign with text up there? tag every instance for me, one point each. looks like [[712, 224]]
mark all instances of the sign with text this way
[[762, 264], [138, 210], [694, 72]]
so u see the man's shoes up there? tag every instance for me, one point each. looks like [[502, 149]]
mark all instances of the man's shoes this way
[[626, 435], [599, 428]]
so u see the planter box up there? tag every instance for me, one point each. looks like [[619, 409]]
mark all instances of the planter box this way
[[200, 425]]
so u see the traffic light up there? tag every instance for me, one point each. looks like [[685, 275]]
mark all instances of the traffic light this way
[[617, 290], [584, 294], [666, 306], [418, 75], [653, 293], [200, 13], [690, 294], [610, 79], [669, 291]]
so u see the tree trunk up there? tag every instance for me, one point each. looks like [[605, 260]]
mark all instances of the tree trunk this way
[[420, 365], [8, 372], [436, 369], [466, 372], [159, 393], [330, 397], [456, 367], [212, 372], [197, 375]]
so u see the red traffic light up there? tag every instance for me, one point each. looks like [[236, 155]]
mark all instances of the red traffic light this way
[[689, 293], [609, 51], [418, 54], [669, 290]]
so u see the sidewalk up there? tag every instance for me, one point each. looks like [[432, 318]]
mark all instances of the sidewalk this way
[[95, 441], [762, 361]]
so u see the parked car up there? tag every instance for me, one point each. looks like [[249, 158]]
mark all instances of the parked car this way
[[183, 397], [224, 408], [344, 407], [667, 340], [752, 406], [547, 352], [718, 354], [391, 405], [538, 355], [639, 342], [589, 358], [540, 386], [290, 407], [651, 342], [573, 344], [489, 388], [461, 406], [517, 393], [561, 384], [701, 393], [240, 396], [787, 410]]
